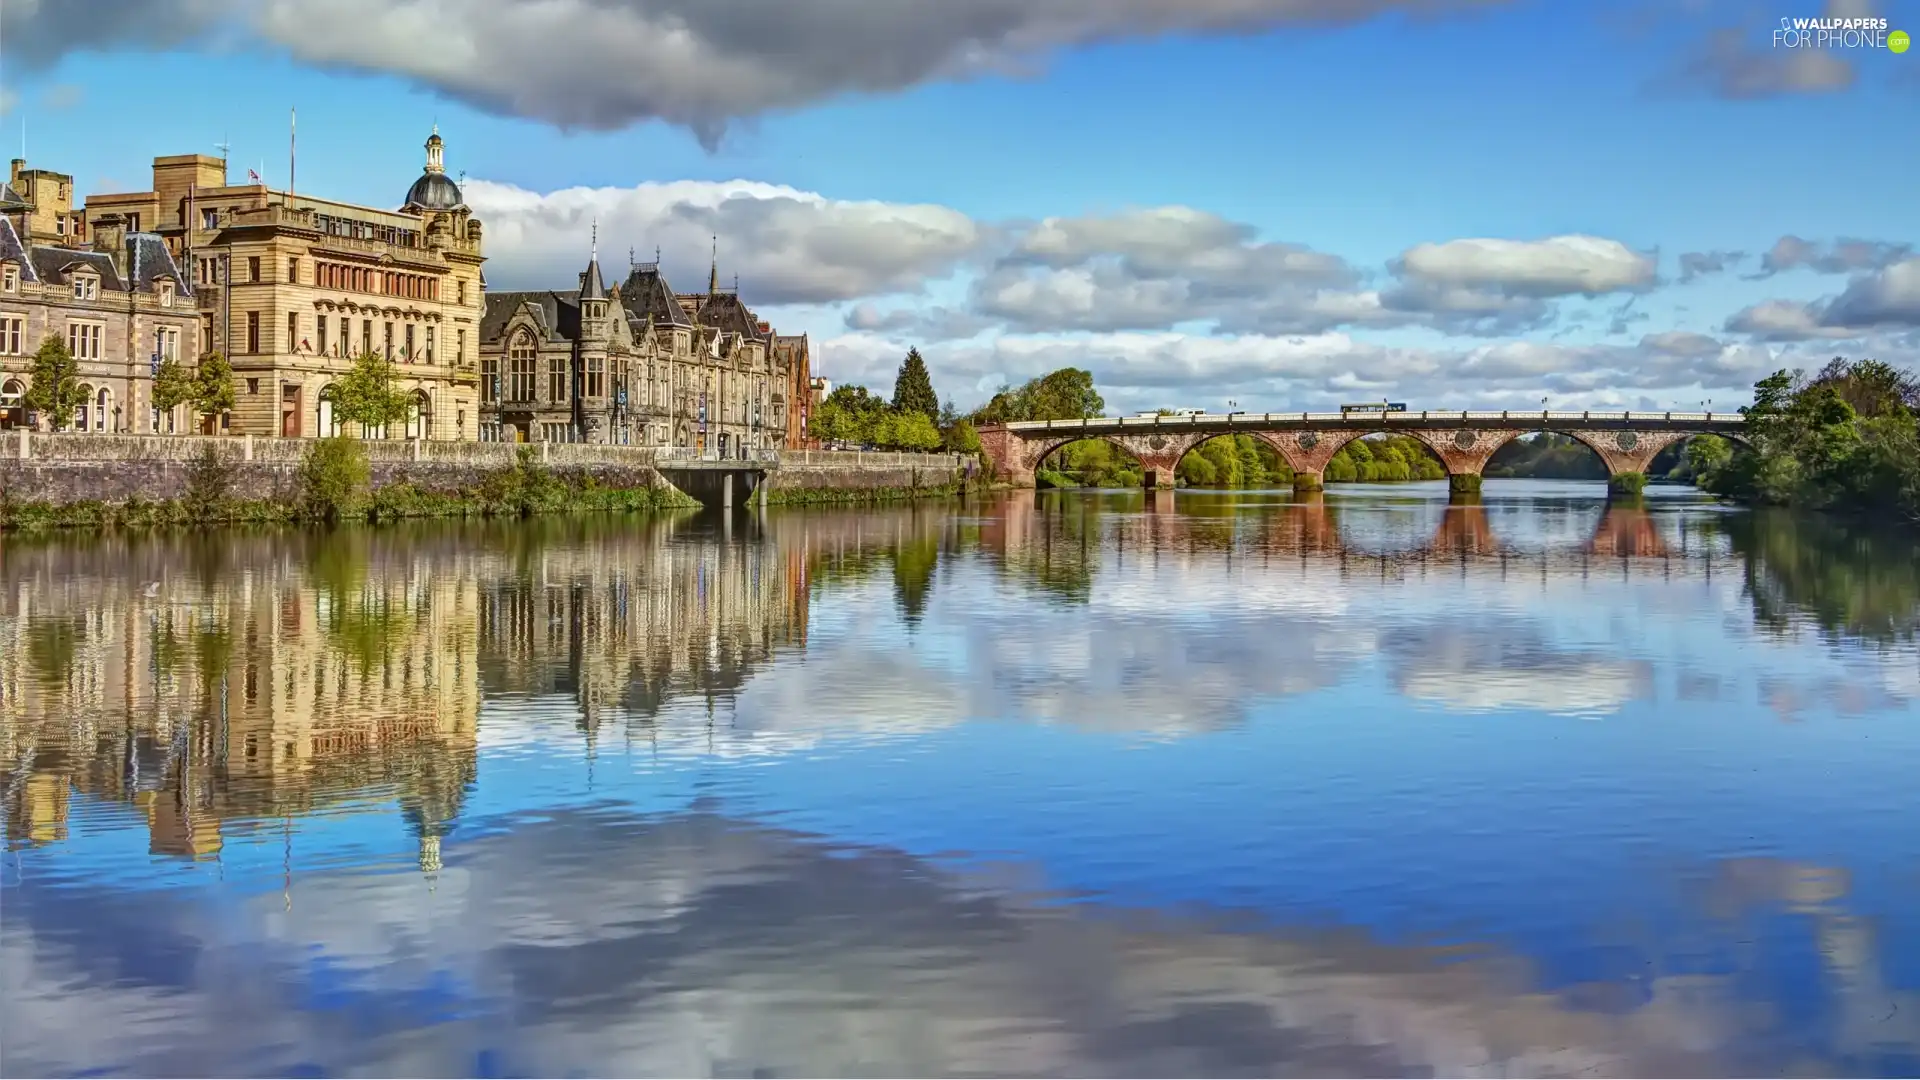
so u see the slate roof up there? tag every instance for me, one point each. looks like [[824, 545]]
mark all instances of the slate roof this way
[[559, 315], [56, 266], [591, 287], [647, 293], [148, 260], [12, 250], [10, 199]]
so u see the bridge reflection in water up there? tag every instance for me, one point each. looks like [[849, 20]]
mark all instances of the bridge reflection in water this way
[[170, 709]]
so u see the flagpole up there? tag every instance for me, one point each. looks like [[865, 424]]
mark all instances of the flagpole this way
[[292, 118]]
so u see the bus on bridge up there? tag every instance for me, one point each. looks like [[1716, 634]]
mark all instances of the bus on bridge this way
[[1373, 408]]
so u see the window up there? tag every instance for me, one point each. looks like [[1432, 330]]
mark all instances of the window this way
[[83, 340], [460, 347], [86, 287], [253, 331], [556, 379], [253, 386], [253, 268], [293, 271], [166, 342], [366, 336], [387, 347], [522, 359], [408, 353], [320, 334], [489, 378], [209, 219], [429, 344], [9, 278], [166, 294], [596, 376], [13, 328], [463, 292], [293, 331]]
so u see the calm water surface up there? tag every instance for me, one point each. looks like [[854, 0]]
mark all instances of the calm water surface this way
[[1061, 785]]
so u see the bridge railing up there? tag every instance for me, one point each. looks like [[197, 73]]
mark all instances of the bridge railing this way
[[1383, 420], [670, 454]]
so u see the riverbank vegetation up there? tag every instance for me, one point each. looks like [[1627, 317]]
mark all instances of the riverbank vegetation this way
[[1842, 440], [333, 484]]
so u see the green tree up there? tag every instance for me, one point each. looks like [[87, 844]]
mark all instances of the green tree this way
[[368, 396], [55, 392], [173, 386], [913, 388], [213, 386], [1066, 394]]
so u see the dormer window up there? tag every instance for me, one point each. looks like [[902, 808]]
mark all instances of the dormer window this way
[[166, 293], [9, 278], [86, 287]]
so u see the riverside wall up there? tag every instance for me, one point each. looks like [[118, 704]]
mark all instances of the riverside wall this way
[[63, 469]]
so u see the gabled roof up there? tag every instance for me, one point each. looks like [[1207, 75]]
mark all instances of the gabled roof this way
[[148, 260], [12, 250], [10, 199], [57, 265], [645, 293], [590, 285], [728, 312], [558, 315]]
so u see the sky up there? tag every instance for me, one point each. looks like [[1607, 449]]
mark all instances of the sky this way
[[1257, 204]]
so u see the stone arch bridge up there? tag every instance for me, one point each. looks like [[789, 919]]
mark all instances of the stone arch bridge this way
[[1463, 441]]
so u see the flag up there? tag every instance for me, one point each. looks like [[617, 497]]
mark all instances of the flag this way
[[253, 176]]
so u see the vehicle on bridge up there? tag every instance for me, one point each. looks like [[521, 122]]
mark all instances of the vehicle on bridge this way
[[1373, 407]]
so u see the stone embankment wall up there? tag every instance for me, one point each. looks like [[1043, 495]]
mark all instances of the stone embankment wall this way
[[60, 469]]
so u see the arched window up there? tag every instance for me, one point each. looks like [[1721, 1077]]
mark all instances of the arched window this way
[[520, 357], [329, 426], [420, 420], [84, 415], [102, 409]]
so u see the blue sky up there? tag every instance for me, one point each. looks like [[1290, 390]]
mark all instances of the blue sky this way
[[1198, 200]]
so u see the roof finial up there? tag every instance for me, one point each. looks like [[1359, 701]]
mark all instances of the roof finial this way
[[713, 274], [593, 253]]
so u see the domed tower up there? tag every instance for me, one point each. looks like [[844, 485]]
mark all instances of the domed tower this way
[[435, 190]]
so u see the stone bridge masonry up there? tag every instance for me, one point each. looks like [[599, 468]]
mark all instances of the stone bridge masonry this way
[[1463, 441]]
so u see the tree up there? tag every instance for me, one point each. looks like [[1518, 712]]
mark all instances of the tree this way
[[212, 386], [173, 386], [55, 392], [913, 388], [367, 396], [1066, 394]]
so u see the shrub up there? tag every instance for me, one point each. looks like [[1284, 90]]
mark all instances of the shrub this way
[[333, 479], [209, 493]]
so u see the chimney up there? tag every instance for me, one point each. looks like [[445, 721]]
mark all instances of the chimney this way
[[110, 236], [19, 165]]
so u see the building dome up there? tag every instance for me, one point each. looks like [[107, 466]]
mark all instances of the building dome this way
[[434, 190]]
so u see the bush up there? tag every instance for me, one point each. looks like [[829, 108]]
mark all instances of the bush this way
[[333, 479], [209, 493]]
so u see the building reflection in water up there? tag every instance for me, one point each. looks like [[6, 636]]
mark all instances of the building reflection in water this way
[[217, 688]]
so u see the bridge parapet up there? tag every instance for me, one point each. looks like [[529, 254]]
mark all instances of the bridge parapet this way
[[1627, 441]]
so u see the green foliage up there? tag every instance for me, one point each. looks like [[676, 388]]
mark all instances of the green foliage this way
[[1852, 579], [213, 386], [333, 479], [961, 437], [1844, 440], [1233, 461], [52, 645], [913, 389], [209, 493], [1066, 394], [1627, 483], [55, 392], [1094, 463], [173, 385], [1546, 456], [914, 560], [1384, 459], [368, 396], [851, 414]]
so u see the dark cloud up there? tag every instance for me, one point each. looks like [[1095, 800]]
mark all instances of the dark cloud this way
[[1697, 264], [699, 64]]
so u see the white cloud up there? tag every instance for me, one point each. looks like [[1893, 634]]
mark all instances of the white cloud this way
[[1887, 299], [696, 63], [787, 246], [1558, 266]]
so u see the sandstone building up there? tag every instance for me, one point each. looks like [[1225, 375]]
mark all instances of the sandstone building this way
[[639, 364], [292, 287], [121, 302]]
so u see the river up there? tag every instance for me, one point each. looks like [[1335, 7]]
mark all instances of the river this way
[[1057, 784]]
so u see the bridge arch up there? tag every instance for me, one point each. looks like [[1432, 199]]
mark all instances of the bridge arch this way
[[1040, 454], [1220, 460]]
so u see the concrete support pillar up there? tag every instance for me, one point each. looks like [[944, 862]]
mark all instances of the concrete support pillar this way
[[726, 490], [1160, 500], [246, 447], [26, 445], [1308, 481], [760, 490]]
